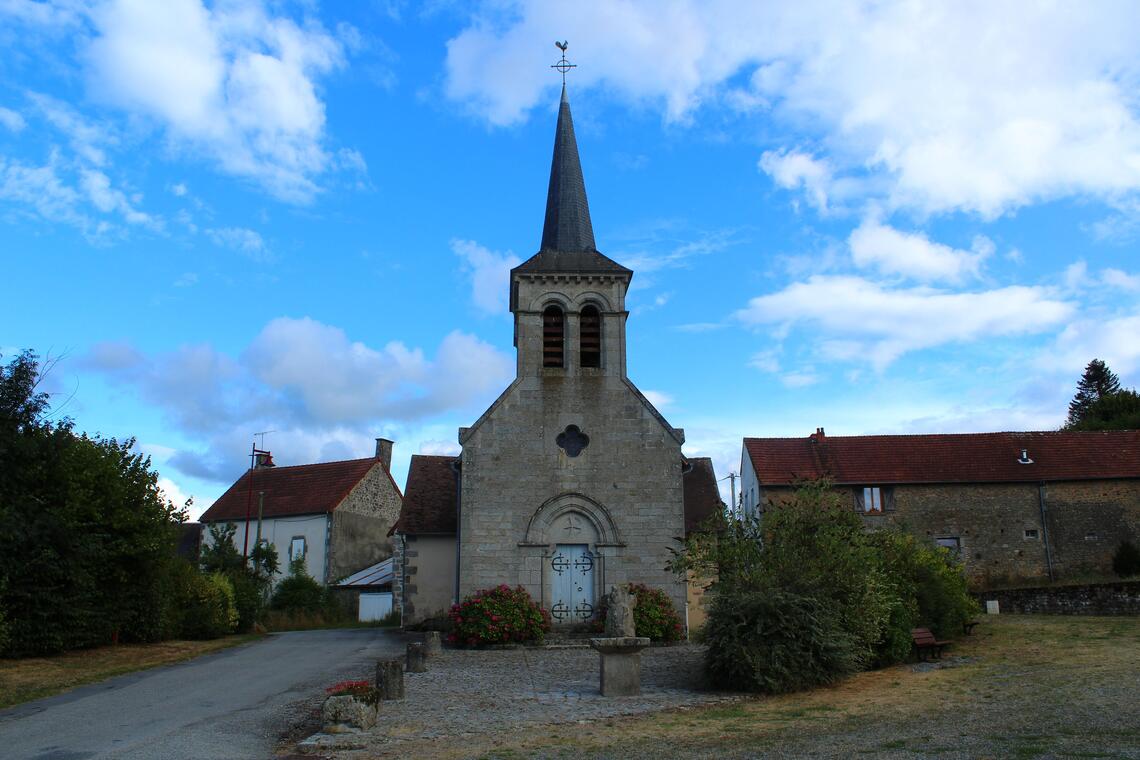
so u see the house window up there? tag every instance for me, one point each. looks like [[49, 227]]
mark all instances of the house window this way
[[297, 548], [1031, 533], [953, 543], [553, 336], [872, 499], [590, 323]]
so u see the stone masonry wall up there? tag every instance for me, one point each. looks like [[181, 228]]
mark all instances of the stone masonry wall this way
[[359, 532], [999, 528], [1088, 599]]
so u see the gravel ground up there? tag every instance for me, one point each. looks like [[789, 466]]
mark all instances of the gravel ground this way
[[465, 693]]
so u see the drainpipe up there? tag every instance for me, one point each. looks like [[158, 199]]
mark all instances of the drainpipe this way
[[455, 467], [1045, 529]]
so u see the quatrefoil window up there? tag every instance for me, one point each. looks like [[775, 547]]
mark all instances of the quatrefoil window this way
[[572, 440]]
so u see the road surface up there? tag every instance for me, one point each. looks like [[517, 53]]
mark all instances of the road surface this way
[[231, 704]]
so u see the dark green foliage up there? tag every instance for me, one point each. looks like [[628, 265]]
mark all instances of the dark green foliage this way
[[811, 570], [250, 580], [1126, 560], [775, 642], [1097, 382], [498, 616], [1112, 411], [210, 610], [86, 537], [654, 615], [298, 592]]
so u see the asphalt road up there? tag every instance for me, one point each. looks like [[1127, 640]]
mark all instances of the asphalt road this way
[[232, 704]]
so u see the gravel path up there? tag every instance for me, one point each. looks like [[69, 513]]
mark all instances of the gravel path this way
[[480, 692]]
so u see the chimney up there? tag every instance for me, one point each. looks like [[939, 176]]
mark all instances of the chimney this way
[[384, 452], [818, 436]]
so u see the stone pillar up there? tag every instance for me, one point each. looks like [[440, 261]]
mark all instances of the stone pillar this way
[[433, 643], [390, 678], [417, 657]]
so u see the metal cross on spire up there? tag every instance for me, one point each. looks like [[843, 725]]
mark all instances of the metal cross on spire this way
[[563, 65]]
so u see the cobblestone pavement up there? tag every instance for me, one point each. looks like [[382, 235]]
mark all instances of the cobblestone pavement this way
[[479, 692]]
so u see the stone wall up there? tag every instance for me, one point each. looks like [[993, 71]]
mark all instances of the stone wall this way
[[360, 525], [999, 529], [1090, 599], [428, 587]]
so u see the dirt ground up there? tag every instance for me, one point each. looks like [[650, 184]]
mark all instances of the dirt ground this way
[[1020, 687]]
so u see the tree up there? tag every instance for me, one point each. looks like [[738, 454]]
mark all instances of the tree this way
[[1097, 382], [1113, 411], [86, 535]]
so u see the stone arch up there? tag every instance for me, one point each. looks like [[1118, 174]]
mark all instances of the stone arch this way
[[605, 530], [593, 298], [552, 298]]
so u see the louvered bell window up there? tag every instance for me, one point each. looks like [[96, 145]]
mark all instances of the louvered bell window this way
[[553, 337], [591, 336]]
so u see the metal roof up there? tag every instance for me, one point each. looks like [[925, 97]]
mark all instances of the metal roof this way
[[379, 574]]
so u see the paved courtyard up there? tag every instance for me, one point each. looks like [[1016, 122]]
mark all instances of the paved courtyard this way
[[485, 692]]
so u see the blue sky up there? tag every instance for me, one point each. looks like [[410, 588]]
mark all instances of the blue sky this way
[[235, 217]]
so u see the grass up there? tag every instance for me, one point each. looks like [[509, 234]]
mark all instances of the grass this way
[[37, 677], [1021, 687]]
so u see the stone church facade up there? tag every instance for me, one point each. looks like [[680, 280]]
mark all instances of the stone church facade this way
[[571, 481]]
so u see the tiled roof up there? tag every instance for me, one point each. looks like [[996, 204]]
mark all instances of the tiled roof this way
[[578, 262], [702, 497], [947, 458], [299, 490], [429, 497]]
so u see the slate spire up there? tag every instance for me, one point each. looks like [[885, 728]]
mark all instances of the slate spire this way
[[567, 227]]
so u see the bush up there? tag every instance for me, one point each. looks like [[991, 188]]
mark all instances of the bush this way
[[497, 616], [299, 591], [654, 615], [776, 642], [210, 610], [1126, 560]]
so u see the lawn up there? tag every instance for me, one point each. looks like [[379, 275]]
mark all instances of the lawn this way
[[1019, 687], [36, 677]]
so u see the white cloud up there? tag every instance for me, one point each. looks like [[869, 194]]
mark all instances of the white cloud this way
[[490, 274], [107, 199], [765, 361], [659, 399], [1116, 278], [173, 492], [863, 320], [44, 190], [982, 107], [914, 255], [793, 169], [233, 80], [88, 139], [240, 239], [1113, 340], [12, 120], [800, 379], [179, 189]]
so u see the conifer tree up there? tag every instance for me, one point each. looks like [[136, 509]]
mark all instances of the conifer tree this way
[[1097, 382]]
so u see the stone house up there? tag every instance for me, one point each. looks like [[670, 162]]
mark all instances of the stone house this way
[[571, 481], [336, 515], [1016, 506]]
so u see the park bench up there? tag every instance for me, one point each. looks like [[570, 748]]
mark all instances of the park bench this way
[[924, 642]]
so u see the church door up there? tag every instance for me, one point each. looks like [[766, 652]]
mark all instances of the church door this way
[[572, 584]]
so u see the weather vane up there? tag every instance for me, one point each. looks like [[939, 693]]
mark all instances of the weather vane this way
[[563, 65]]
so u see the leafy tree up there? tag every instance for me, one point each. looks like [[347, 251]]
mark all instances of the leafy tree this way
[[86, 535], [1112, 411], [299, 591], [251, 580], [1097, 382]]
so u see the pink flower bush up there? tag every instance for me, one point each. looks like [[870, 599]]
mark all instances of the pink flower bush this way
[[498, 615]]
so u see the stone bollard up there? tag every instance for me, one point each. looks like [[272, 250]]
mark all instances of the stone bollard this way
[[433, 643], [390, 678], [417, 657]]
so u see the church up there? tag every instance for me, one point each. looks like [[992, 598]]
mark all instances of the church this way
[[571, 481]]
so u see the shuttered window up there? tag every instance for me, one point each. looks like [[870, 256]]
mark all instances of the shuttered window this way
[[591, 337], [553, 337]]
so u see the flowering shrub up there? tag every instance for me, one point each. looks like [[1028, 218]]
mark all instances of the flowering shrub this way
[[653, 614], [498, 616], [361, 690]]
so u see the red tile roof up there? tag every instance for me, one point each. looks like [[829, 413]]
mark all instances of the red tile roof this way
[[429, 498], [702, 496], [947, 458], [299, 490]]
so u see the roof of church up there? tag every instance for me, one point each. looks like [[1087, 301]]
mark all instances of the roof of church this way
[[567, 233], [702, 497], [299, 490], [947, 457], [429, 497]]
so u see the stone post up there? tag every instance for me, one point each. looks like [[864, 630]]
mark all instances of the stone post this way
[[390, 678], [433, 643], [417, 657]]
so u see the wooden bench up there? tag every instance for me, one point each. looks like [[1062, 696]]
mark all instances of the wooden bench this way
[[924, 642]]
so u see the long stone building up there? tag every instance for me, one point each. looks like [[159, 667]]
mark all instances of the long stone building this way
[[571, 481], [1017, 507]]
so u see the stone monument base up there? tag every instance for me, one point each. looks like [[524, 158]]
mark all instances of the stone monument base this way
[[621, 664]]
